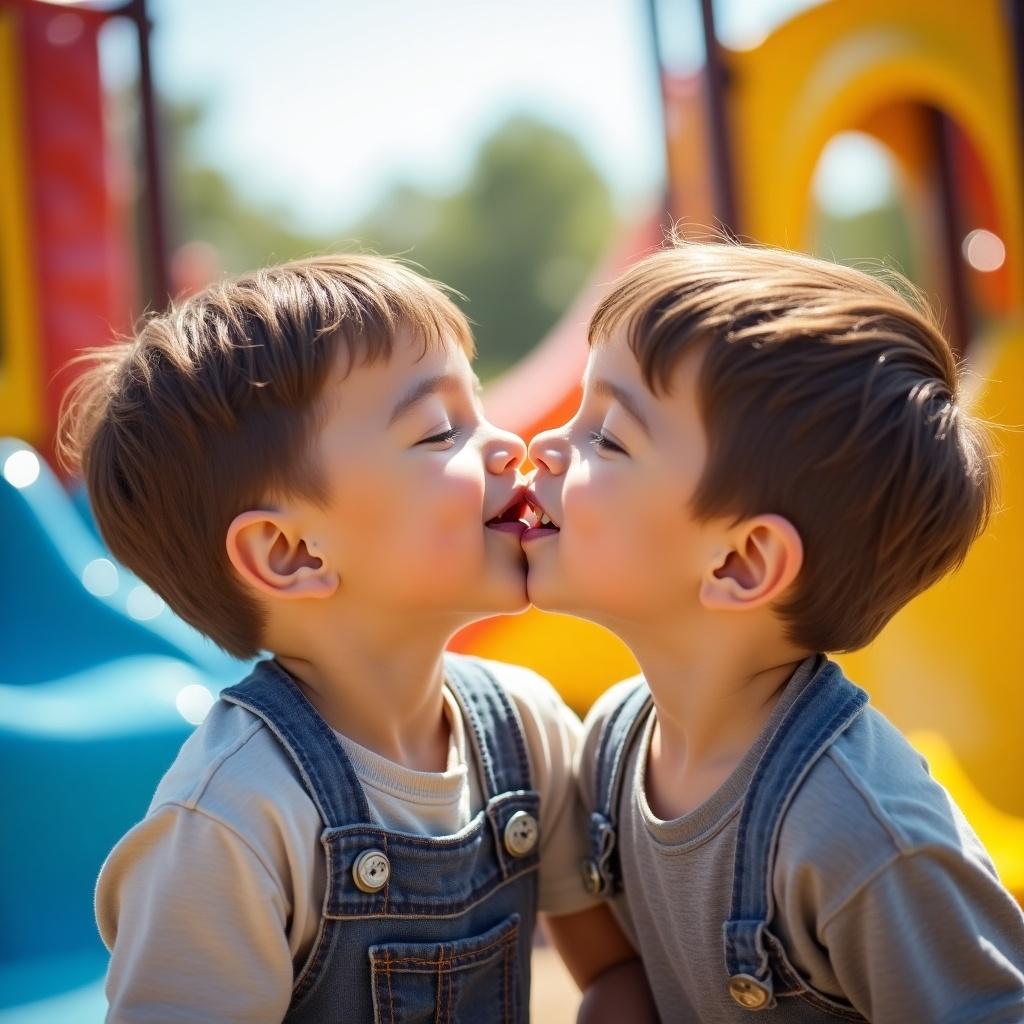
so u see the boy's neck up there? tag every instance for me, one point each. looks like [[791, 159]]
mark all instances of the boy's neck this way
[[381, 690], [713, 696]]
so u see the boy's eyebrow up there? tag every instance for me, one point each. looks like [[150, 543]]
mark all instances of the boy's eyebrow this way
[[607, 389], [419, 391]]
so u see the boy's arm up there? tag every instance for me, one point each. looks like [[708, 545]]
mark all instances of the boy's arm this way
[[604, 965], [932, 936], [195, 924]]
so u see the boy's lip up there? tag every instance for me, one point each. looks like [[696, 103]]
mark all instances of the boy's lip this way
[[514, 516], [537, 527]]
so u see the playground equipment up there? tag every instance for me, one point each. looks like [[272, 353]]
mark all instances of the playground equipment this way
[[101, 685]]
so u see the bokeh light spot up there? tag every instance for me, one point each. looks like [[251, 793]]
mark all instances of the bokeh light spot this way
[[100, 577], [984, 251], [193, 703], [143, 604], [21, 468]]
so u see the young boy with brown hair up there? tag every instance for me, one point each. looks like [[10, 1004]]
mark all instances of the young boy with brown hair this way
[[770, 459], [364, 828]]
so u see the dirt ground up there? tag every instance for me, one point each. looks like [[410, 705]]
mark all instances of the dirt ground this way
[[554, 998]]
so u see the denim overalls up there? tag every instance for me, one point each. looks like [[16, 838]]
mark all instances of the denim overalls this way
[[415, 928], [757, 972]]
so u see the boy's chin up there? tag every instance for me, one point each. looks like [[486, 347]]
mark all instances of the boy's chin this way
[[503, 594]]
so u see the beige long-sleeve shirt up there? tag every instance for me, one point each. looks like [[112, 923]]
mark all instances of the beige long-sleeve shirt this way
[[211, 904]]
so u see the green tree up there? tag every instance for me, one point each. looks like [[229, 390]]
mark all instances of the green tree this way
[[207, 206], [518, 240]]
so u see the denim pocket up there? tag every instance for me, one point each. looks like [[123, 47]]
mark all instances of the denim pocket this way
[[460, 982]]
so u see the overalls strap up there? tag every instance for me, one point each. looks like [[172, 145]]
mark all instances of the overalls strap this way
[[494, 726], [827, 705], [326, 771], [602, 873]]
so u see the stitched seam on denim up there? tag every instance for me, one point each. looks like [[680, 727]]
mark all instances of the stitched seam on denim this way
[[480, 747], [304, 980], [300, 763], [323, 787], [357, 829], [449, 960], [602, 762], [419, 904], [319, 943], [313, 971], [474, 700], [511, 716], [800, 987], [439, 996], [391, 992], [617, 783], [309, 716], [760, 909], [199, 789], [506, 967], [426, 913], [508, 714], [761, 888], [844, 716], [606, 796]]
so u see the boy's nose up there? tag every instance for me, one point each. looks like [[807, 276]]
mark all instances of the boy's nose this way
[[504, 452], [549, 451]]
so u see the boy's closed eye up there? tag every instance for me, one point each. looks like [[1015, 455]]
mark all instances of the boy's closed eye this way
[[601, 440], [444, 437]]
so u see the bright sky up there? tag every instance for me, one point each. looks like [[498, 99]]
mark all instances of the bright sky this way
[[319, 105]]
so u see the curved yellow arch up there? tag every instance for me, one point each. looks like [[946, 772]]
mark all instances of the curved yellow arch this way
[[835, 66]]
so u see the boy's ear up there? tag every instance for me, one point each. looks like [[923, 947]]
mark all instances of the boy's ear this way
[[268, 551], [764, 557]]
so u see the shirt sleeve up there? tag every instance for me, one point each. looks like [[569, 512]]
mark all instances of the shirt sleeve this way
[[932, 936], [553, 734], [195, 922]]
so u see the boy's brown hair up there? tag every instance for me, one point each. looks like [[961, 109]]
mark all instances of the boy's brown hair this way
[[827, 398], [213, 408]]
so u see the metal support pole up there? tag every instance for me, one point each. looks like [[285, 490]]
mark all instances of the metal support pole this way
[[671, 201], [158, 285], [721, 152], [952, 232]]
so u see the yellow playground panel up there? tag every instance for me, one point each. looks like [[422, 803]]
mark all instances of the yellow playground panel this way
[[21, 413]]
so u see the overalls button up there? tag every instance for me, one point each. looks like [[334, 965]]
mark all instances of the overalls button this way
[[750, 993], [591, 877], [371, 871], [521, 834]]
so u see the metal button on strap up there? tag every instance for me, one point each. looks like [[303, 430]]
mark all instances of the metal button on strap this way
[[521, 834], [591, 877], [750, 993], [371, 871]]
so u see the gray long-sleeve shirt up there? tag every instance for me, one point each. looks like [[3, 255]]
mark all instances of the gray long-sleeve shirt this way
[[885, 899]]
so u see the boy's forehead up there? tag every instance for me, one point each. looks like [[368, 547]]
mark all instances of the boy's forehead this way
[[611, 359], [392, 383]]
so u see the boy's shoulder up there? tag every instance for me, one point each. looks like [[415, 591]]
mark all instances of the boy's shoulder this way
[[868, 802], [232, 769]]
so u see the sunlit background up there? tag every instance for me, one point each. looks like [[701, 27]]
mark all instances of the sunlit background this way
[[523, 153], [427, 129]]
